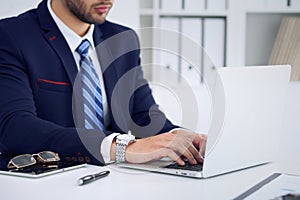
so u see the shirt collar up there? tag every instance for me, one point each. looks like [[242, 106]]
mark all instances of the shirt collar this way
[[71, 37]]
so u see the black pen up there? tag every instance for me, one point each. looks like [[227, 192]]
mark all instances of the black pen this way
[[92, 177]]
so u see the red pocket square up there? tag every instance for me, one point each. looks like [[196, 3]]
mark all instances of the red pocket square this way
[[52, 82]]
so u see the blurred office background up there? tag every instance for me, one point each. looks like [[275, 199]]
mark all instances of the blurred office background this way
[[232, 32]]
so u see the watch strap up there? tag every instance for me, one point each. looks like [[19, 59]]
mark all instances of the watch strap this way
[[121, 144]]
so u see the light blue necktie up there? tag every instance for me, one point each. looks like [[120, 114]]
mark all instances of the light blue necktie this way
[[92, 95]]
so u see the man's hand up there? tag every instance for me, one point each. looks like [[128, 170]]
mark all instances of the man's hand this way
[[176, 145]]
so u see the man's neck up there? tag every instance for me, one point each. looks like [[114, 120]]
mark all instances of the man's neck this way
[[69, 19]]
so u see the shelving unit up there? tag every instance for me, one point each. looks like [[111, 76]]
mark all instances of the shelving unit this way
[[166, 59], [152, 14], [243, 18], [261, 20], [250, 29]]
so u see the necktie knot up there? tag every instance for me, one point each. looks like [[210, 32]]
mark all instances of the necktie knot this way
[[83, 48]]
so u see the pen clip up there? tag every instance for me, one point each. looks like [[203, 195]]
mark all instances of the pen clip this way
[[92, 177]]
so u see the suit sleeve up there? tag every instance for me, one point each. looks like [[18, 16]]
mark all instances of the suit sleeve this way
[[21, 130], [132, 104], [147, 118]]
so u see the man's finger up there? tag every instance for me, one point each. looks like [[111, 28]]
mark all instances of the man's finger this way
[[195, 153], [185, 151], [171, 154], [202, 146]]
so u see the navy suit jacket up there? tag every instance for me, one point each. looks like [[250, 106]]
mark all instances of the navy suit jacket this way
[[37, 79]]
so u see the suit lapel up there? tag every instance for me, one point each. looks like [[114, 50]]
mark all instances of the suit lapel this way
[[105, 58], [55, 38], [108, 69]]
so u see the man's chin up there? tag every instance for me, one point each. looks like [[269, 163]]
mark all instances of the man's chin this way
[[100, 20], [95, 21]]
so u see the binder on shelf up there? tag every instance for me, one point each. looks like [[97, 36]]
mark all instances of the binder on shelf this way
[[277, 4], [171, 5], [194, 5], [272, 4], [217, 5], [168, 52], [295, 4], [256, 4], [191, 52], [214, 42], [286, 49], [146, 4], [191, 49]]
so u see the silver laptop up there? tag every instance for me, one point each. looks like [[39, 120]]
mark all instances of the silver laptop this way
[[245, 129]]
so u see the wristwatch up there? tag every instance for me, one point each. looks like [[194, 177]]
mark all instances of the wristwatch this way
[[122, 142]]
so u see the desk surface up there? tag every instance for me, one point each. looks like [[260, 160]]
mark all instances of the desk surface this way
[[132, 184]]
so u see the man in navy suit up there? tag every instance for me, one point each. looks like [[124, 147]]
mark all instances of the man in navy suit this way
[[40, 106]]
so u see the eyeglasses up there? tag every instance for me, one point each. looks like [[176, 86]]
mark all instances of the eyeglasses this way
[[25, 160]]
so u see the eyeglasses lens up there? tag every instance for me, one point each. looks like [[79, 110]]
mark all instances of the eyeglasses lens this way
[[23, 160], [48, 156]]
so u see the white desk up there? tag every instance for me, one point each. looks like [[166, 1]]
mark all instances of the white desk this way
[[131, 184]]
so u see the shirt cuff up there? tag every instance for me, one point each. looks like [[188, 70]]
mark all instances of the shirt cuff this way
[[106, 146]]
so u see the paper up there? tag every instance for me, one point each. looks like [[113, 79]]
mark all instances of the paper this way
[[285, 184]]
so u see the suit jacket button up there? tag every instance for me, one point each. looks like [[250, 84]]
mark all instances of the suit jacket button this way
[[74, 159], [87, 159], [80, 159]]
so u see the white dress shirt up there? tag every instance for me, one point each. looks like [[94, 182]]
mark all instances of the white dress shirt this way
[[74, 41]]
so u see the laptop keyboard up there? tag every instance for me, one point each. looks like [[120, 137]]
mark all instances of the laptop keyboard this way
[[187, 166]]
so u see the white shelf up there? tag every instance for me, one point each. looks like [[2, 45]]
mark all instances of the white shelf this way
[[276, 11], [194, 13], [184, 13]]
